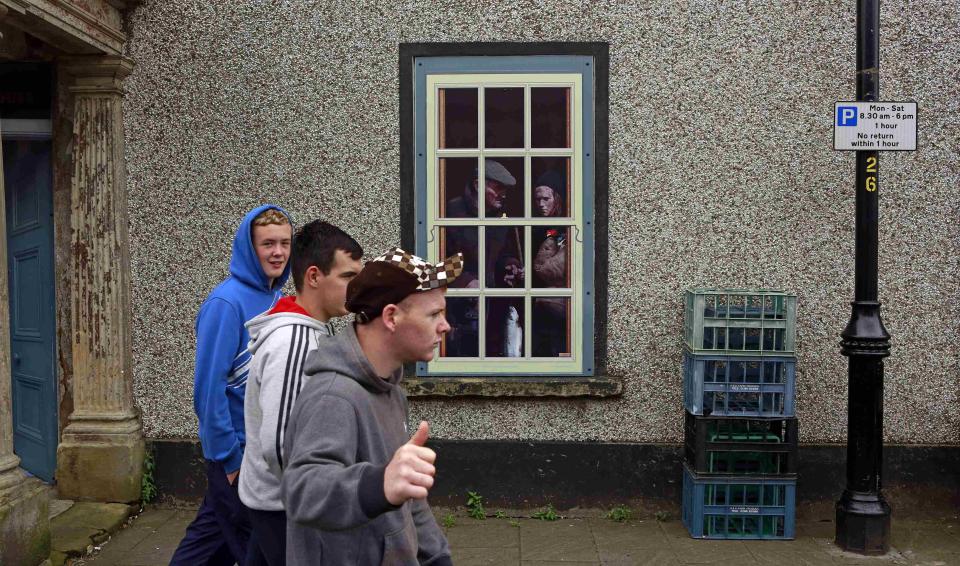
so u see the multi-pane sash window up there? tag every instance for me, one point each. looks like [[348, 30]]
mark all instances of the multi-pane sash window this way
[[503, 174]]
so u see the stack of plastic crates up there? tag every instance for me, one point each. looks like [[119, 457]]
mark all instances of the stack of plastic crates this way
[[740, 433]]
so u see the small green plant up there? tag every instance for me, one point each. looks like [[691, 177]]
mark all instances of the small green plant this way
[[548, 513], [475, 505], [500, 515], [661, 516], [148, 486], [620, 514], [448, 521], [514, 523]]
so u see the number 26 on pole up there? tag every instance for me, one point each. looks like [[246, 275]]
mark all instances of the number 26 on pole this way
[[871, 180]]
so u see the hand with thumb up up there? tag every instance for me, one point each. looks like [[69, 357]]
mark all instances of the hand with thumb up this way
[[409, 475]]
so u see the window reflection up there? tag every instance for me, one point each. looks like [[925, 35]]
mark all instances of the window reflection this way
[[550, 117], [503, 113], [551, 327], [462, 239], [463, 339], [458, 197], [458, 118], [504, 261]]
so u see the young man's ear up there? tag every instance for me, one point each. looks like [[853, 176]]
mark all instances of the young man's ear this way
[[312, 276], [389, 316]]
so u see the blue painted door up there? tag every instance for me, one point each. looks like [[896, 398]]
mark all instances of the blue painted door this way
[[29, 206]]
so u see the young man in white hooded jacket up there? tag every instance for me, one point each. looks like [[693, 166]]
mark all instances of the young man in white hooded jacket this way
[[324, 261]]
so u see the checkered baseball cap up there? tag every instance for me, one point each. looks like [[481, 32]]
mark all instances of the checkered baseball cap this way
[[393, 276]]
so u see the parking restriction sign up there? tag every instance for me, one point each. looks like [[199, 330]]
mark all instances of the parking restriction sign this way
[[875, 126]]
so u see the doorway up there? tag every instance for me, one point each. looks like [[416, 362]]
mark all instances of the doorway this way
[[28, 200]]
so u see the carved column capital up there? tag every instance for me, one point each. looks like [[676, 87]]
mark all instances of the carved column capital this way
[[97, 74]]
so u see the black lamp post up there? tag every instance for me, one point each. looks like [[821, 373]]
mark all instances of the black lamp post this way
[[863, 516]]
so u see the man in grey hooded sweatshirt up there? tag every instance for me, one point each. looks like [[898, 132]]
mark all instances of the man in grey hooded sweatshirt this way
[[356, 482]]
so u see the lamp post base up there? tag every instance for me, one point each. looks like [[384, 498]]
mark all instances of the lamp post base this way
[[863, 523]]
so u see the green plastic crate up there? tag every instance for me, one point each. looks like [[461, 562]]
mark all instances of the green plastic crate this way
[[735, 322]]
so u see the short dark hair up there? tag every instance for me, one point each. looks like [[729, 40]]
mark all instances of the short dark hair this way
[[316, 244]]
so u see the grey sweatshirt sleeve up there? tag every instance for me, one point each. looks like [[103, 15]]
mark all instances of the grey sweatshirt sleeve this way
[[433, 547], [323, 485]]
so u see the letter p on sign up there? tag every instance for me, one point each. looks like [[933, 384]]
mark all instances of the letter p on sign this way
[[846, 115]]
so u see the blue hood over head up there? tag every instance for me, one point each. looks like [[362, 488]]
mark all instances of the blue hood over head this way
[[244, 264]]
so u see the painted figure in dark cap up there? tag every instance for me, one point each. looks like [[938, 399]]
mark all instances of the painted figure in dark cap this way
[[356, 483], [548, 194], [550, 264]]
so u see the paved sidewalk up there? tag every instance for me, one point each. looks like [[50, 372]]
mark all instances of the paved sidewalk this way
[[152, 537]]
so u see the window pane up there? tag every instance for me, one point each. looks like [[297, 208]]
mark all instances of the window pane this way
[[737, 371], [550, 117], [503, 110], [458, 118], [463, 339], [738, 306], [505, 327], [504, 263], [551, 258], [503, 190], [462, 239], [735, 338], [457, 195], [551, 327], [550, 190]]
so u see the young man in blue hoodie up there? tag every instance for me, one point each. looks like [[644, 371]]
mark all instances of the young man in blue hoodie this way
[[258, 269]]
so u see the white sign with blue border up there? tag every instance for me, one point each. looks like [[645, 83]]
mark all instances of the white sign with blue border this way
[[875, 126]]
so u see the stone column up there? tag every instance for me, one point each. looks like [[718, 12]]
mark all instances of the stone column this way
[[100, 456], [24, 502]]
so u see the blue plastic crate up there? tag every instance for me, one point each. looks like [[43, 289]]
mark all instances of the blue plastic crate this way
[[738, 386], [740, 321], [731, 507]]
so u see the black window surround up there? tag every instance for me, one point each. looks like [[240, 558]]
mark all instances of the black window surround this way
[[601, 384]]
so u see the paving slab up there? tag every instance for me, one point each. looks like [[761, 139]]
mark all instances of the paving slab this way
[[125, 541], [59, 506], [153, 536], [566, 540], [79, 527], [486, 556], [777, 557], [104, 516], [632, 534], [490, 533], [699, 551], [644, 557]]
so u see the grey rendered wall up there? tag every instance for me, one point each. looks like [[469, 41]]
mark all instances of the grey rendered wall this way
[[721, 173]]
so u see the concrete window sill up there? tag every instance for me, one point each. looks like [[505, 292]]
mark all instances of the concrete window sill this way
[[506, 386]]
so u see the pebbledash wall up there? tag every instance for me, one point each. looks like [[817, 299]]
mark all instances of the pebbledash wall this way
[[721, 173]]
